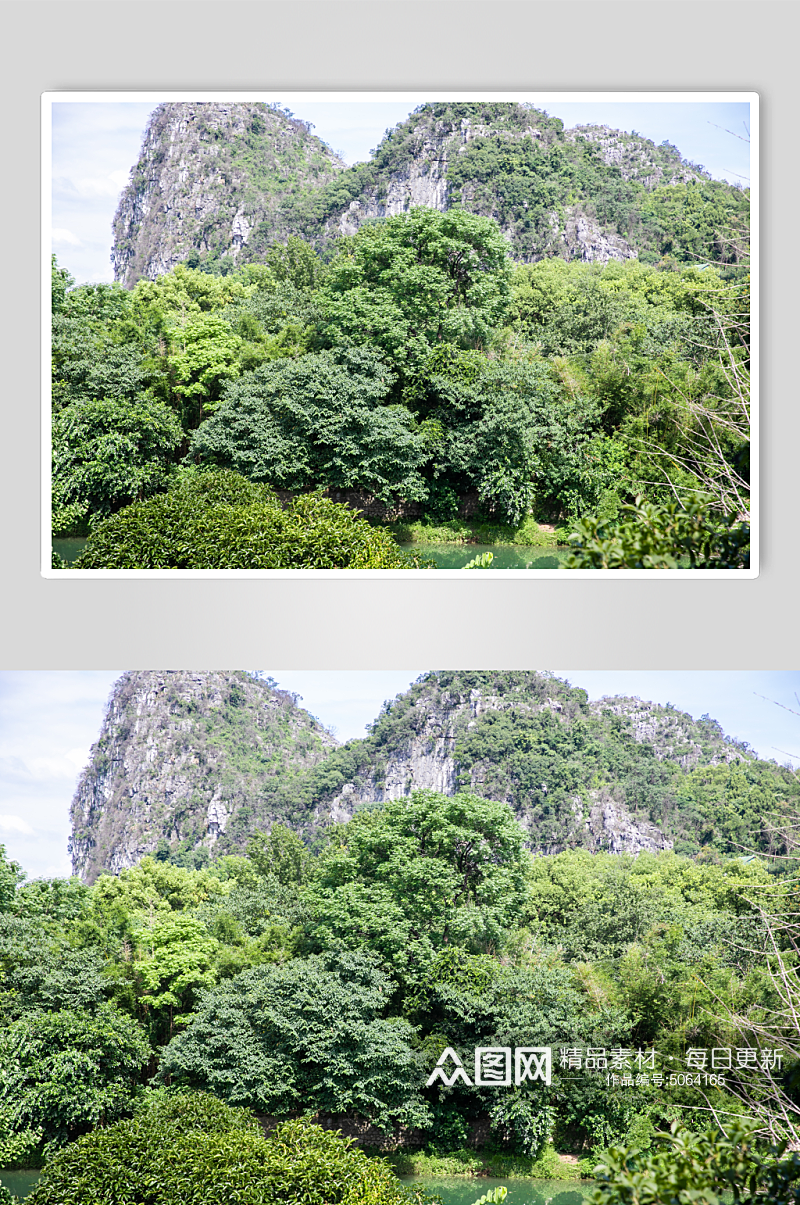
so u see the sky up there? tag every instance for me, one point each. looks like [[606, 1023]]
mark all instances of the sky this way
[[96, 143], [50, 719]]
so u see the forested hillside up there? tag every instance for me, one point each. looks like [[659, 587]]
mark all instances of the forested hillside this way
[[359, 926], [217, 183], [189, 765]]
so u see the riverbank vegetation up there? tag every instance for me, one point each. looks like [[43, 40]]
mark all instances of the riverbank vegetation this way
[[417, 366], [329, 984]]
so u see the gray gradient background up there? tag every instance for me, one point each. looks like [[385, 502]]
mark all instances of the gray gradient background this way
[[383, 44]]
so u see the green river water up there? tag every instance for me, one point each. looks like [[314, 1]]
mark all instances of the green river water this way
[[446, 556], [463, 1190], [454, 1190]]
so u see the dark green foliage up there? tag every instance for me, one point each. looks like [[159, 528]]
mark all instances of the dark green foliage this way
[[39, 969], [108, 453], [66, 1072], [318, 421], [219, 519], [193, 1150], [503, 428], [649, 536], [307, 1036]]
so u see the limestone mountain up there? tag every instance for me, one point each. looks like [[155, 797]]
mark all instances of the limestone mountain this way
[[179, 753], [190, 764], [211, 180], [216, 180]]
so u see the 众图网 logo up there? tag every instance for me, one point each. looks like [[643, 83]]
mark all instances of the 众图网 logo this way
[[493, 1067]]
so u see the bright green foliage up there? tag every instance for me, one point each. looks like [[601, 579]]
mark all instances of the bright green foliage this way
[[193, 1150], [419, 873], [11, 874], [280, 853], [649, 536], [218, 519], [305, 1036], [416, 280], [493, 1197], [204, 354], [484, 561], [108, 453], [689, 1167], [318, 421], [65, 1072], [178, 964]]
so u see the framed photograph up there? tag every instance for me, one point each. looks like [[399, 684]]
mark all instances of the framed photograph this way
[[399, 936], [389, 334]]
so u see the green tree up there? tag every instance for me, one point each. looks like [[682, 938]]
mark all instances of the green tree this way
[[66, 1072], [420, 873], [416, 280], [320, 420], [108, 453], [306, 1036], [280, 853]]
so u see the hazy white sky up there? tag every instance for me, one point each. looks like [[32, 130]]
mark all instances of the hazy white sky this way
[[49, 720], [95, 145]]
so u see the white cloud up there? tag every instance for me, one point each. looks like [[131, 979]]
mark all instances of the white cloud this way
[[65, 238], [89, 187], [14, 824], [14, 769]]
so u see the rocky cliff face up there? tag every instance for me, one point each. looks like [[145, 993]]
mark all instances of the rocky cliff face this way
[[637, 158], [226, 179], [424, 162], [211, 180], [435, 725], [179, 753], [190, 763]]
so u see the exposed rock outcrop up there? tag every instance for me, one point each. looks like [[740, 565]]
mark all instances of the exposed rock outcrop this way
[[225, 179], [189, 763], [178, 754], [211, 178]]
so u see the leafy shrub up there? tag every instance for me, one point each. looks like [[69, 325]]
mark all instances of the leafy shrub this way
[[107, 453], [64, 1072], [17, 1148], [219, 520], [689, 1167], [649, 536], [194, 1150]]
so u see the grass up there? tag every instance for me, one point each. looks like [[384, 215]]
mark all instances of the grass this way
[[468, 1162], [474, 531]]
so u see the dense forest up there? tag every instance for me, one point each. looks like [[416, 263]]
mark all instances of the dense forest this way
[[322, 982], [329, 986], [442, 369]]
